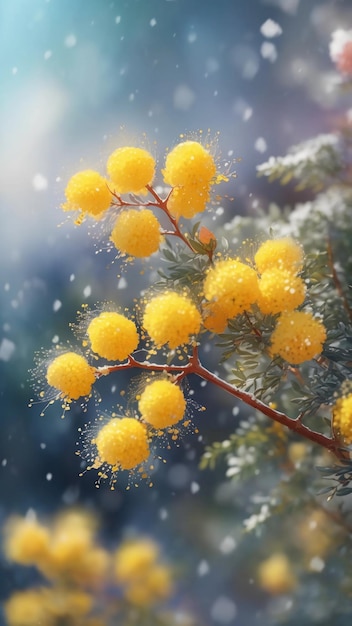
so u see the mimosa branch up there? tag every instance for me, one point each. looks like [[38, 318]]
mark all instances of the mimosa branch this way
[[194, 366]]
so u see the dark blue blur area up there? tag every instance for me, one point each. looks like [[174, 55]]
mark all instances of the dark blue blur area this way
[[77, 79]]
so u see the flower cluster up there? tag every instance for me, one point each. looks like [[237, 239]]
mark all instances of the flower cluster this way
[[190, 171], [232, 287], [82, 577], [256, 300]]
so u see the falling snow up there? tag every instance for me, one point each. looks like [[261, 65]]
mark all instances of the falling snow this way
[[39, 182], [223, 610], [260, 145], [57, 304], [183, 97], [70, 41], [268, 51], [270, 29], [203, 568], [7, 348], [227, 545]]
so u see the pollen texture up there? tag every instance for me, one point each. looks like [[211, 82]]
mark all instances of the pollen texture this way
[[123, 443], [188, 201], [282, 253], [162, 404], [71, 374], [171, 318], [214, 317], [112, 336], [280, 290], [88, 192], [136, 232], [189, 163], [131, 169], [233, 285], [342, 418], [298, 337]]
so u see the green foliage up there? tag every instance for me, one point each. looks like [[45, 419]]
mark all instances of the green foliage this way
[[314, 163]]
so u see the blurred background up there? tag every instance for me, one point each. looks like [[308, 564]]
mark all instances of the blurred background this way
[[79, 78]]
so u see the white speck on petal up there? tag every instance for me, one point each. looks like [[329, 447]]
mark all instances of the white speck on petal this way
[[57, 305], [87, 291]]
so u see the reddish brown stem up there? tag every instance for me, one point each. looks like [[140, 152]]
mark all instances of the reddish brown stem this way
[[162, 204], [194, 366]]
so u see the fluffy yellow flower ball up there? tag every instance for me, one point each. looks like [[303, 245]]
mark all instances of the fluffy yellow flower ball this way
[[112, 336], [131, 169], [162, 404], [26, 608], [314, 534], [284, 253], [68, 548], [280, 290], [154, 586], [275, 575], [88, 192], [26, 541], [342, 418], [123, 443], [71, 374], [233, 285], [133, 558], [136, 232], [214, 317], [171, 318], [189, 163], [188, 201], [298, 337]]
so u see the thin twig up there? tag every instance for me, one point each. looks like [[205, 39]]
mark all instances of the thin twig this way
[[194, 366]]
